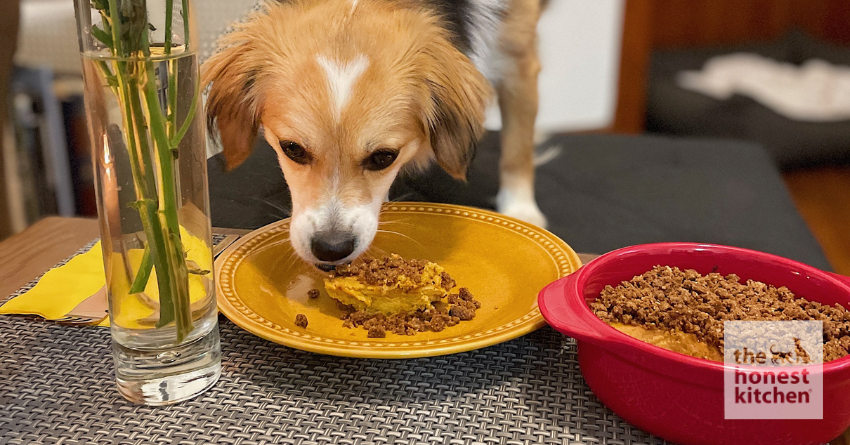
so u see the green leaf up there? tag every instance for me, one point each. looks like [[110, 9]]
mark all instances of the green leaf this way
[[102, 5], [198, 271], [101, 35]]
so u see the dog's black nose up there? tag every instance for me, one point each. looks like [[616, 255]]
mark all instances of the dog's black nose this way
[[326, 267], [330, 247]]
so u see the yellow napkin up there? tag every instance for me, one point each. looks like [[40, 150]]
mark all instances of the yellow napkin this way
[[62, 288], [131, 309]]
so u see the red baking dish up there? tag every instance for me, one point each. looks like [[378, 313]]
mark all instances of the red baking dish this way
[[674, 396]]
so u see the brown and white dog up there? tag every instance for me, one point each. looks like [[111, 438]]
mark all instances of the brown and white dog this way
[[349, 92]]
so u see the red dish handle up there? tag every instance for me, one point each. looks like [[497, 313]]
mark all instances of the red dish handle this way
[[842, 278], [567, 313]]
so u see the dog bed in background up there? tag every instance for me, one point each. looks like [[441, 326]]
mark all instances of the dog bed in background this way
[[674, 110]]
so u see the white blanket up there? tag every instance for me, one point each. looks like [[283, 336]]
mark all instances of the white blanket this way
[[814, 91]]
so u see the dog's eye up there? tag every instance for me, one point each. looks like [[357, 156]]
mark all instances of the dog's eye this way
[[380, 159], [295, 152]]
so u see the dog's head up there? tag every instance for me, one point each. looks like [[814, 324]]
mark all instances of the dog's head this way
[[348, 93]]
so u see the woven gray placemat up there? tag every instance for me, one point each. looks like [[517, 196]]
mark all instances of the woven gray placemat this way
[[58, 388]]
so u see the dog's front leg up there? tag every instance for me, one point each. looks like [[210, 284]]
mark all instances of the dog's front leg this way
[[517, 93]]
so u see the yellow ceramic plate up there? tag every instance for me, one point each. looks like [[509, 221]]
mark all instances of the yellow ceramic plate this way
[[262, 285]]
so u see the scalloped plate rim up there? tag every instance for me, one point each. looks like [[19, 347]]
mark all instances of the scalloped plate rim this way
[[399, 349]]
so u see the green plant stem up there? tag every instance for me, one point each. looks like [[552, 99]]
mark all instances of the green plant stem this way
[[169, 13], [172, 101], [185, 14], [135, 85], [171, 111], [168, 202], [187, 122], [111, 80], [144, 273], [171, 114], [168, 212], [162, 251], [165, 160], [182, 306], [151, 202], [115, 22], [140, 166]]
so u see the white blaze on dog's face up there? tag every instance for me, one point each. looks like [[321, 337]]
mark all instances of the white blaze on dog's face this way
[[340, 151], [347, 94]]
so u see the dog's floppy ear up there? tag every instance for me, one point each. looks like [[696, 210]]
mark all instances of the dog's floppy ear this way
[[459, 94], [232, 103]]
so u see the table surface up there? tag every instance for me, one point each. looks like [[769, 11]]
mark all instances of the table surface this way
[[32, 252]]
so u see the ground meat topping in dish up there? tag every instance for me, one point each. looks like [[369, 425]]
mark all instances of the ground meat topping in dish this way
[[460, 307], [668, 298]]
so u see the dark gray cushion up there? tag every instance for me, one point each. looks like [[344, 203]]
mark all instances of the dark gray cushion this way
[[601, 193], [792, 144]]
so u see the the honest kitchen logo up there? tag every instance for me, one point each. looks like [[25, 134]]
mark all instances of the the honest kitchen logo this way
[[774, 370], [744, 392]]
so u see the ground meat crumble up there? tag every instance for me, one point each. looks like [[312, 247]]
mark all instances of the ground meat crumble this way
[[384, 271], [670, 298], [459, 307], [301, 320]]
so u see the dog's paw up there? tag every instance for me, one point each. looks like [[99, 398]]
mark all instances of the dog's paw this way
[[522, 208]]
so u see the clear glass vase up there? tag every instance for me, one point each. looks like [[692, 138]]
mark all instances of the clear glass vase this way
[[145, 119]]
